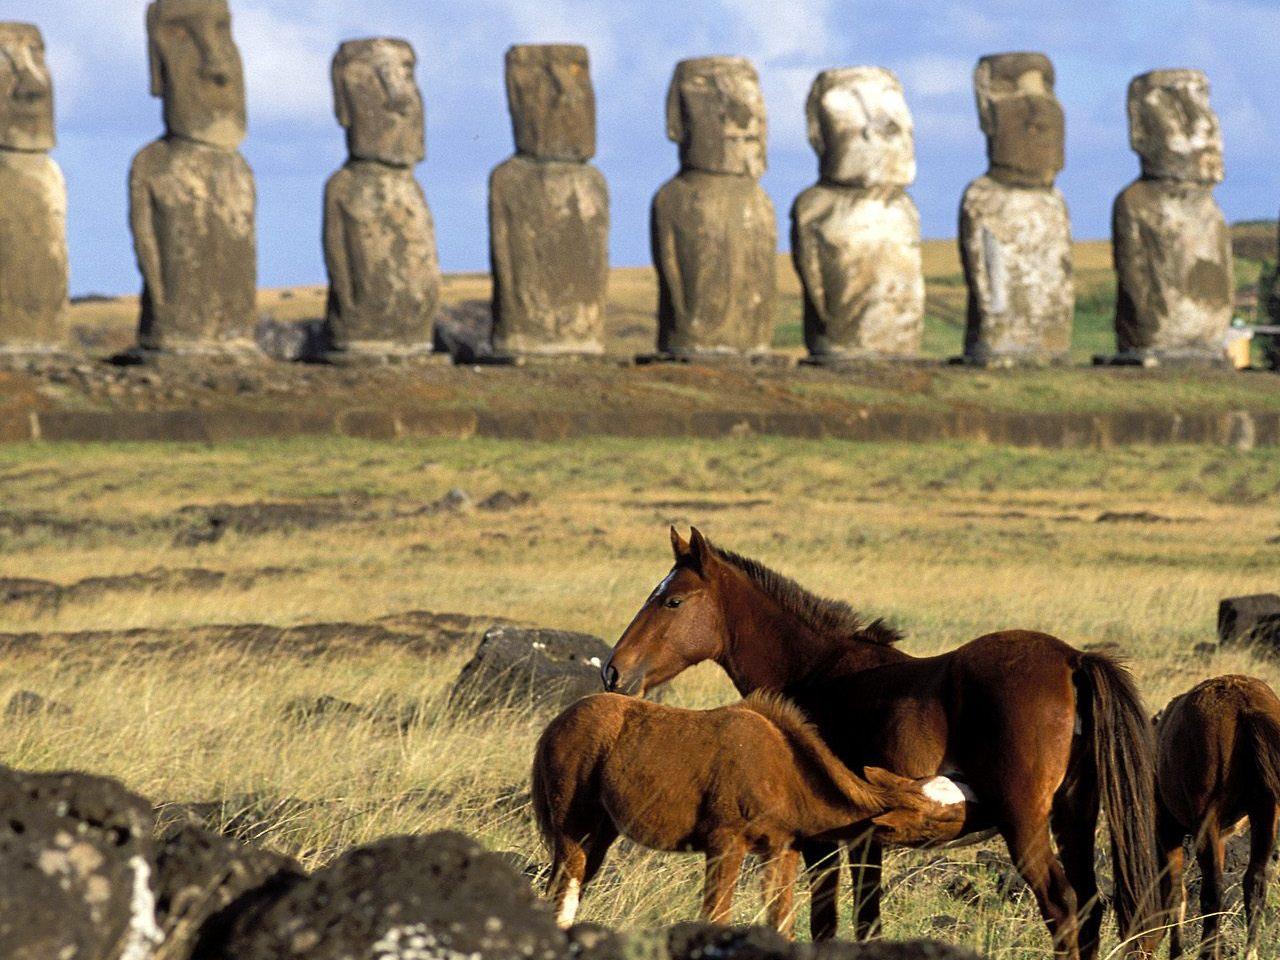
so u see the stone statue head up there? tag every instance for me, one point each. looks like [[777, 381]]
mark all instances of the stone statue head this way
[[196, 68], [1021, 117], [377, 100], [26, 90], [1173, 128], [861, 129], [715, 111], [553, 106]]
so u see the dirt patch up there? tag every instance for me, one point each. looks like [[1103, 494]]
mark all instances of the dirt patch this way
[[47, 595], [701, 506], [419, 632], [1141, 516], [208, 524]]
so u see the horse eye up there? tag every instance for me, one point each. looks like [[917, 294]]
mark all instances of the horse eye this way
[[673, 602]]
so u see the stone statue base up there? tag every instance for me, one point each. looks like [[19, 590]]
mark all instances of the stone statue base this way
[[1164, 358], [715, 241], [33, 253], [1176, 292], [381, 352], [1015, 243], [858, 252], [549, 237]]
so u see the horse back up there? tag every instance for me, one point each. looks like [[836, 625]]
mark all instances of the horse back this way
[[1217, 749]]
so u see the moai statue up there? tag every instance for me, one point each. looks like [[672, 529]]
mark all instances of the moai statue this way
[[379, 238], [549, 211], [33, 199], [714, 234], [855, 235], [191, 194], [1015, 235], [1171, 242]]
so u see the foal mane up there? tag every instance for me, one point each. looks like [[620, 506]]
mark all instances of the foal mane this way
[[834, 619], [807, 741]]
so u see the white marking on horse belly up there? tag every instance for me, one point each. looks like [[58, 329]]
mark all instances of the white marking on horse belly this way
[[946, 791], [569, 909]]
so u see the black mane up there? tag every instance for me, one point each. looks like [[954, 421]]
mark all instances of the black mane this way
[[829, 618]]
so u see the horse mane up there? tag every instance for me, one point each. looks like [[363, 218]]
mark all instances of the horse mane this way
[[828, 618], [808, 743]]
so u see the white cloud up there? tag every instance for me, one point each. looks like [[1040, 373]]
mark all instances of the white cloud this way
[[934, 75]]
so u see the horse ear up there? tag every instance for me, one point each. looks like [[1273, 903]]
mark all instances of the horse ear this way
[[700, 549], [679, 546]]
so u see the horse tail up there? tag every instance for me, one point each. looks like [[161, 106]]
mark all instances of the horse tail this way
[[1124, 761], [540, 790], [1263, 730]]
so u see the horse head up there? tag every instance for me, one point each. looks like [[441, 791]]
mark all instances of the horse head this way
[[681, 624]]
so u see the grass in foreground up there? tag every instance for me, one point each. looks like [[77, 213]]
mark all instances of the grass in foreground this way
[[949, 541]]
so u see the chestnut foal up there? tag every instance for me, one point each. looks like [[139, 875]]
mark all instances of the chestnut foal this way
[[753, 777], [1218, 767]]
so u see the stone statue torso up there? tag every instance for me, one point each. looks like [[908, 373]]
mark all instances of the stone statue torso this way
[[858, 251], [387, 248], [33, 249]]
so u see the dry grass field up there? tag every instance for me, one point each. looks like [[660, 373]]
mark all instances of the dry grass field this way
[[1130, 549]]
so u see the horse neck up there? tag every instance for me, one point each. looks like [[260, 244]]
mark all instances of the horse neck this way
[[769, 648]]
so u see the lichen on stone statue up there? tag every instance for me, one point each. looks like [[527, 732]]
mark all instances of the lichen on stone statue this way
[[1015, 233], [713, 229], [379, 236], [855, 235], [1172, 246], [191, 194], [33, 199], [549, 210]]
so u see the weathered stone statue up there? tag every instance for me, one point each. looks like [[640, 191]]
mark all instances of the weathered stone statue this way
[[855, 235], [379, 238], [549, 210], [1172, 245], [1015, 235], [714, 232], [191, 194], [33, 199]]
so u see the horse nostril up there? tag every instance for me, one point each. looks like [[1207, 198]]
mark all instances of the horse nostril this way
[[609, 674]]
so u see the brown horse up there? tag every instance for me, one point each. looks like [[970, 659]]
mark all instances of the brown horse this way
[[1218, 766], [1041, 733], [753, 777]]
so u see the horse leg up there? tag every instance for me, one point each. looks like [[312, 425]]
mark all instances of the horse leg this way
[[1173, 889], [568, 868], [1074, 821], [1262, 838], [1033, 855], [822, 870], [724, 861], [1210, 852], [779, 890], [866, 860]]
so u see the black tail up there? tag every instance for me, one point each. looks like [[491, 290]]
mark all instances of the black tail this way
[[1264, 732], [540, 793], [1124, 757]]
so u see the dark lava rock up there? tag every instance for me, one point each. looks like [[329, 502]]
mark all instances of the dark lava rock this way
[[517, 666], [706, 941], [886, 950], [309, 711], [502, 501], [76, 877], [205, 883], [1242, 619], [465, 331], [28, 703], [291, 341], [439, 895]]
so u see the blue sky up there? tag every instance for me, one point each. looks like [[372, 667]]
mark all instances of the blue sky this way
[[97, 52]]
